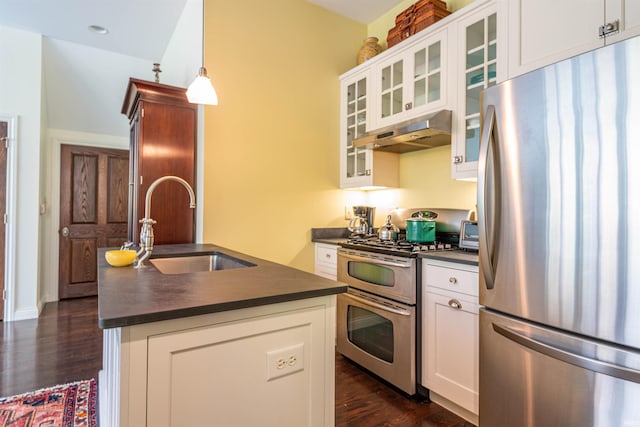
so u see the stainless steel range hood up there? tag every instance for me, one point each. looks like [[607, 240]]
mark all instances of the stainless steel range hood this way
[[420, 133]]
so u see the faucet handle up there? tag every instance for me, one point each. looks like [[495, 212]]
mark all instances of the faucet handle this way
[[126, 245]]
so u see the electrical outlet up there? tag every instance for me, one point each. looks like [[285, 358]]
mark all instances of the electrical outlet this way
[[348, 212], [285, 361]]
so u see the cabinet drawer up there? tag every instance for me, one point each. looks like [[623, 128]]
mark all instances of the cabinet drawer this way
[[326, 254], [451, 277]]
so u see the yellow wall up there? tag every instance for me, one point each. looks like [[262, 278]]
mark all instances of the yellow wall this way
[[272, 145]]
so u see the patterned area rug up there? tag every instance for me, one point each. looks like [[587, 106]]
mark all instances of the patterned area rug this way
[[67, 405]]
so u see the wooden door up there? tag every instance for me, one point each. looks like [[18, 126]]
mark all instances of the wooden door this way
[[94, 191], [3, 207]]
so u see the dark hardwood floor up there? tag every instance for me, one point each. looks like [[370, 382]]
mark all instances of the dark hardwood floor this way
[[65, 344]]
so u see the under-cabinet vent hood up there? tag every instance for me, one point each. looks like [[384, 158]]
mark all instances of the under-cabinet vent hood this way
[[423, 132]]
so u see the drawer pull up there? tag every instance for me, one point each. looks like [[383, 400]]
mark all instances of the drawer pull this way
[[454, 303], [328, 256], [453, 280]]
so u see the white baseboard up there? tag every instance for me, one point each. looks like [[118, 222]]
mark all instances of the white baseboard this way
[[26, 313]]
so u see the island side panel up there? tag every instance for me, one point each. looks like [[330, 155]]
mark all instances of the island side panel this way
[[237, 340]]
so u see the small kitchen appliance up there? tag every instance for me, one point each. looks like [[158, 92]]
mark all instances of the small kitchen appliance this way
[[468, 235], [362, 215]]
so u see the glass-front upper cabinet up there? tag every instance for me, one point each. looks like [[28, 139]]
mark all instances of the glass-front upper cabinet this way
[[478, 69], [410, 82], [361, 167]]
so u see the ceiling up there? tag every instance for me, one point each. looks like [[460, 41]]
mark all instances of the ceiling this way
[[138, 28]]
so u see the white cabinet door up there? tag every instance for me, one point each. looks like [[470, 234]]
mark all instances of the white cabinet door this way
[[481, 53], [451, 348], [326, 264], [360, 167], [542, 32], [276, 365], [411, 82]]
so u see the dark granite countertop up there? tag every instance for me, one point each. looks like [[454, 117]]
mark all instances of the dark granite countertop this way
[[330, 235], [460, 256], [129, 296]]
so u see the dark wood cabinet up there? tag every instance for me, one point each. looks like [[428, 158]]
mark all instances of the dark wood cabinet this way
[[163, 142]]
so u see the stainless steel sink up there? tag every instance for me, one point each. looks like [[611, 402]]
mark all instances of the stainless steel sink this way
[[192, 264]]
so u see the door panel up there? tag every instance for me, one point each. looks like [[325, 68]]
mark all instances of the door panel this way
[[522, 386], [93, 213]]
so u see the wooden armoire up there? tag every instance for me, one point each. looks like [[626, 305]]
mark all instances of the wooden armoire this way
[[163, 142]]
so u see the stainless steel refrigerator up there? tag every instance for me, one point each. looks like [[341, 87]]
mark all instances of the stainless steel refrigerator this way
[[559, 225]]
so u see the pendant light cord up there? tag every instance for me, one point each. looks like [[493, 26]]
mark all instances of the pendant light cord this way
[[203, 1]]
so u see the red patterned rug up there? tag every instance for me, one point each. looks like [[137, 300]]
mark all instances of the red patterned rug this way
[[67, 405]]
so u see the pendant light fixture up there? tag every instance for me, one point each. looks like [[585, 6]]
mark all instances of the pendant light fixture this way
[[201, 91]]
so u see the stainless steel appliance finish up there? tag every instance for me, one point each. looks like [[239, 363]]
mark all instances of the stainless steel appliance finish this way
[[415, 134], [558, 204], [388, 276], [377, 318], [379, 335]]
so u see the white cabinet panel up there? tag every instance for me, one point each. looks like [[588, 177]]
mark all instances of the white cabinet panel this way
[[451, 348], [326, 264], [360, 167], [542, 32], [450, 341], [412, 81], [481, 50]]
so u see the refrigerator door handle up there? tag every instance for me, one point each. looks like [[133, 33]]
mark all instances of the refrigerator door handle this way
[[586, 362], [484, 177]]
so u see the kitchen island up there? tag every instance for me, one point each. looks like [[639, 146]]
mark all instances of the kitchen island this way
[[249, 345]]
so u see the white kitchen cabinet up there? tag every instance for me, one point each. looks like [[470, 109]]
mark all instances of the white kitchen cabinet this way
[[481, 63], [208, 369], [326, 264], [543, 32], [412, 81], [360, 167], [450, 341]]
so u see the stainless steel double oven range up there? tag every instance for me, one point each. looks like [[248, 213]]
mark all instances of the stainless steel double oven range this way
[[378, 318]]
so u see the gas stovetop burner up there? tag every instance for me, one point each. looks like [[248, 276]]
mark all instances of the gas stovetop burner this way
[[398, 247]]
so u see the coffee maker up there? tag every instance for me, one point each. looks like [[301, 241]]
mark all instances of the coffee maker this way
[[362, 221]]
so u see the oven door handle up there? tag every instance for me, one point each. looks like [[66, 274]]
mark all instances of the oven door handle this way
[[372, 302], [376, 261]]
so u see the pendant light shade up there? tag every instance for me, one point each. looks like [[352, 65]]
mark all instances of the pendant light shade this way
[[201, 91]]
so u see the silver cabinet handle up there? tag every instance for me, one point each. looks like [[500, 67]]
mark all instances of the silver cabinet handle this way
[[454, 303], [566, 355], [453, 280], [408, 106], [609, 28], [328, 256], [458, 160], [65, 231]]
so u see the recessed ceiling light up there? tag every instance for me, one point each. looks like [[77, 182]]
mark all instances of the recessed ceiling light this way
[[98, 29]]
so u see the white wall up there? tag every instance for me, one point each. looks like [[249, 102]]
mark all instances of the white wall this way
[[84, 95], [20, 94], [66, 93]]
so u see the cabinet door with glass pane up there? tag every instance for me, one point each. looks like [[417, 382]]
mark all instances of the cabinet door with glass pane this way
[[479, 49], [354, 114], [410, 82]]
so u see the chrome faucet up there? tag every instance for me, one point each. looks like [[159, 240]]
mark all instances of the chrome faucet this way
[[146, 233]]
